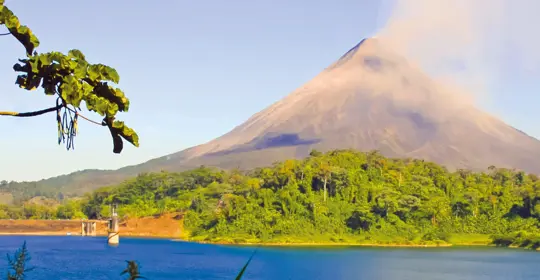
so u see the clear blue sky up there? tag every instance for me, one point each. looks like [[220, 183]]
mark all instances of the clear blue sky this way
[[192, 69]]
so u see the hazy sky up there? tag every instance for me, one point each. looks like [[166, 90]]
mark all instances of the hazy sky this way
[[195, 69]]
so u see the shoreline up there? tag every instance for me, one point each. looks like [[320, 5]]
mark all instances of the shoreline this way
[[379, 245], [272, 244], [268, 244], [51, 233], [322, 244], [44, 233]]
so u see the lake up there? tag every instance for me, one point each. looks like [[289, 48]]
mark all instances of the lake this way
[[75, 257]]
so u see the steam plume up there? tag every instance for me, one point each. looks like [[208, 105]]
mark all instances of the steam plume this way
[[472, 42]]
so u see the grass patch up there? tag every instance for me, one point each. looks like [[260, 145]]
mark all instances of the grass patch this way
[[470, 239]]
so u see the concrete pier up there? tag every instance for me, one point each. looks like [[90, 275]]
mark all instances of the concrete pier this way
[[88, 228], [113, 236]]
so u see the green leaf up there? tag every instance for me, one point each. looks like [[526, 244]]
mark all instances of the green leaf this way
[[91, 101], [112, 75], [127, 133], [87, 90], [93, 73], [118, 131], [73, 64], [44, 59], [101, 106], [56, 56], [101, 72], [112, 109], [22, 33], [80, 70], [34, 64], [71, 90], [76, 54], [119, 94], [113, 95], [118, 145]]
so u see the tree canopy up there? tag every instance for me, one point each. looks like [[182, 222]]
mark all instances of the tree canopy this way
[[341, 196], [71, 79]]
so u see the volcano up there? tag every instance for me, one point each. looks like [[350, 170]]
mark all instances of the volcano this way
[[369, 99]]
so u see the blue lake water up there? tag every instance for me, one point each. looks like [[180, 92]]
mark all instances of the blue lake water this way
[[72, 257]]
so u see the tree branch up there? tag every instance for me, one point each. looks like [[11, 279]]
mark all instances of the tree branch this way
[[48, 110], [5, 34], [32, 114]]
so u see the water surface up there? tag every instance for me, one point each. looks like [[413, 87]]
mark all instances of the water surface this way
[[73, 257]]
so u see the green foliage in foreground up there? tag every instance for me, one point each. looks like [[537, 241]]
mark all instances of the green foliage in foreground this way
[[18, 266], [72, 80], [19, 262]]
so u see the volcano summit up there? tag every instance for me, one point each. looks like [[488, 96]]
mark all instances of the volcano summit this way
[[369, 99]]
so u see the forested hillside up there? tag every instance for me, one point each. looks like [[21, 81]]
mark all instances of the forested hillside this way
[[340, 196], [71, 185]]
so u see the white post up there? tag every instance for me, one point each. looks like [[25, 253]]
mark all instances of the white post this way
[[114, 235]]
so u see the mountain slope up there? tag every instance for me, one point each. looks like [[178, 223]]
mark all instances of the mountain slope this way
[[369, 99]]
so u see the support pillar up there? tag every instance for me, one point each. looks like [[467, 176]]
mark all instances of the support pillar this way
[[88, 228], [113, 237]]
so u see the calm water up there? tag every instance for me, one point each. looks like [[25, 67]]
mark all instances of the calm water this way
[[89, 258]]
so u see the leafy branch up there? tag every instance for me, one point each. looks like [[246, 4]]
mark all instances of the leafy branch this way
[[17, 264], [72, 79]]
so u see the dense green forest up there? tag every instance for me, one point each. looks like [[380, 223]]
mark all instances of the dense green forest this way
[[341, 196]]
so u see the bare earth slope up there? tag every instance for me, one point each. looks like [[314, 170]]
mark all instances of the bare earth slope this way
[[369, 99]]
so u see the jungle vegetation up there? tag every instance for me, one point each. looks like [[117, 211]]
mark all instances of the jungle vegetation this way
[[342, 196]]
